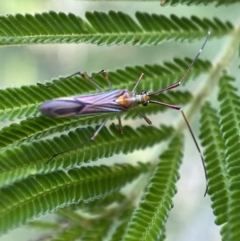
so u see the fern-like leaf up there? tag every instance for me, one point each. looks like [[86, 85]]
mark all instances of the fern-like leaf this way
[[199, 2], [220, 134], [230, 128], [46, 193], [149, 217], [29, 159], [97, 206], [24, 101], [89, 201], [115, 28], [215, 159]]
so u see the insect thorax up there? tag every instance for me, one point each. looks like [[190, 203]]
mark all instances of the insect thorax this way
[[128, 99]]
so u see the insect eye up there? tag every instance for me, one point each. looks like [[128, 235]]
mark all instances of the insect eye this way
[[144, 92], [145, 104]]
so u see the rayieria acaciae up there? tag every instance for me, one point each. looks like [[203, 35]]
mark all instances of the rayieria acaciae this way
[[112, 101]]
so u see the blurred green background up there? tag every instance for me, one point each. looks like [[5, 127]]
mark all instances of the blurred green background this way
[[191, 217]]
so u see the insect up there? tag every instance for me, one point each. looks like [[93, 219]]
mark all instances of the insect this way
[[112, 101]]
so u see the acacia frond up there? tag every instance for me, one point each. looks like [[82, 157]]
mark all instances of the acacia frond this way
[[149, 217], [198, 2], [46, 193], [31, 159], [71, 184], [220, 134], [102, 28]]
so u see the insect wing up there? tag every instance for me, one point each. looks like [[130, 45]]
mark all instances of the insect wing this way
[[103, 102]]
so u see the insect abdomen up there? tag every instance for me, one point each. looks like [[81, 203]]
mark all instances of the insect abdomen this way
[[104, 102], [61, 108]]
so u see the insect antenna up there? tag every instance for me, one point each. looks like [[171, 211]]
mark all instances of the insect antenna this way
[[175, 85]]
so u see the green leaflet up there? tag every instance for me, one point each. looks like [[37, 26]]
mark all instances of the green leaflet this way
[[220, 134], [31, 159], [46, 193], [198, 2], [102, 28], [214, 153], [149, 217], [230, 128]]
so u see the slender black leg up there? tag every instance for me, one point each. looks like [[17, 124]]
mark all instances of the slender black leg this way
[[138, 81], [143, 116], [176, 107], [105, 75], [120, 128], [84, 143], [82, 74]]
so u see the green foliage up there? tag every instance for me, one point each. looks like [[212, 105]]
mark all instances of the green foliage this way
[[220, 134], [199, 2], [37, 195], [215, 160], [102, 28], [230, 128], [101, 202], [31, 159], [149, 217]]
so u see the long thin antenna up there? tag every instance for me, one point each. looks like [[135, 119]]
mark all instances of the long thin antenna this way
[[195, 59], [175, 85]]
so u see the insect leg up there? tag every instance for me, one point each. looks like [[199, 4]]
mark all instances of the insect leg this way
[[176, 107], [105, 75], [82, 74], [120, 128], [143, 116], [198, 148], [99, 129], [138, 81], [175, 85], [84, 143]]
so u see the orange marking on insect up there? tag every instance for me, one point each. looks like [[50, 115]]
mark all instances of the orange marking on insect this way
[[127, 99], [122, 100]]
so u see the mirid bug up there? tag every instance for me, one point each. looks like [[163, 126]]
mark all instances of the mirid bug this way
[[112, 101]]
